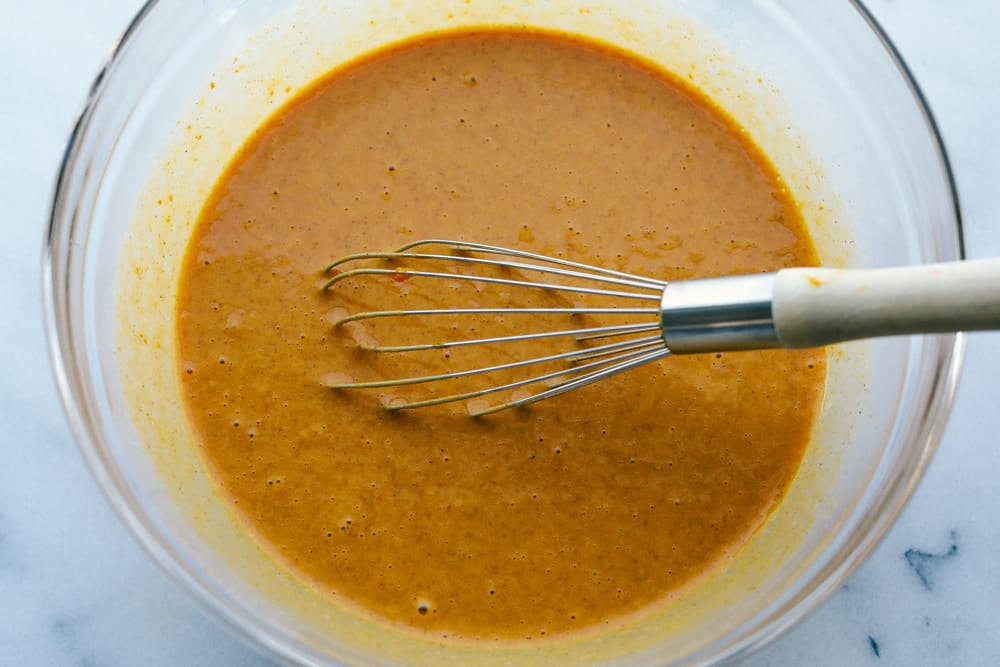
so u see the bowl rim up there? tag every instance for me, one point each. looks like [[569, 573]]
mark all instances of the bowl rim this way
[[258, 634]]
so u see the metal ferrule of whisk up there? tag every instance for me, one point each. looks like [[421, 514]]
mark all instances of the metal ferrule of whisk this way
[[719, 314]]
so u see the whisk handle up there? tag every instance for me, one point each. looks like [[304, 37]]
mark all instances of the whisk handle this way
[[813, 307]]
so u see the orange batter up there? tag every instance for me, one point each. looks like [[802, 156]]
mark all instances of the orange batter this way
[[570, 515]]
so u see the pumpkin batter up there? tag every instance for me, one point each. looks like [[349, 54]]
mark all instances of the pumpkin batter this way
[[571, 515]]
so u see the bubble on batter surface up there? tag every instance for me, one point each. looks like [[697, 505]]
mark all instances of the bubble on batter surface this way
[[425, 606]]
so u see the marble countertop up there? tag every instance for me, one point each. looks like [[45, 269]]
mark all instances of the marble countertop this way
[[76, 588]]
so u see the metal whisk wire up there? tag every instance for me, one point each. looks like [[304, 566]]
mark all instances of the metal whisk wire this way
[[585, 365]]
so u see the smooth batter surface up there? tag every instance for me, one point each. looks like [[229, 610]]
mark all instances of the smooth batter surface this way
[[576, 512]]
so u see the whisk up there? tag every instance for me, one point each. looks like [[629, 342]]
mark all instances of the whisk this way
[[791, 308]]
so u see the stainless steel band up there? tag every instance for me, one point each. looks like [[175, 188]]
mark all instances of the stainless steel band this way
[[716, 314]]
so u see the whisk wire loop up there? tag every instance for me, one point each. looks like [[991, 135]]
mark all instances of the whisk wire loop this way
[[622, 280], [601, 369], [490, 279], [583, 365], [592, 333], [592, 271]]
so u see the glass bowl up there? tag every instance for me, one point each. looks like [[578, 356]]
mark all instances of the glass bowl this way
[[819, 87]]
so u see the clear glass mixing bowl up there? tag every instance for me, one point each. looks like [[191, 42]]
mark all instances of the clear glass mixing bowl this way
[[819, 86]]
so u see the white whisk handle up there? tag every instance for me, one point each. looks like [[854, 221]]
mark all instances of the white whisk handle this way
[[815, 307]]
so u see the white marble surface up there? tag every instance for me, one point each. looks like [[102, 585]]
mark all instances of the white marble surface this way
[[76, 589]]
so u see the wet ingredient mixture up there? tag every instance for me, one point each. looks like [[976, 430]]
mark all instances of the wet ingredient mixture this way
[[574, 514]]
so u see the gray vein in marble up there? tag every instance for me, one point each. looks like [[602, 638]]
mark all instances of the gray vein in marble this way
[[6, 558], [69, 632], [924, 564], [11, 560], [874, 646]]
